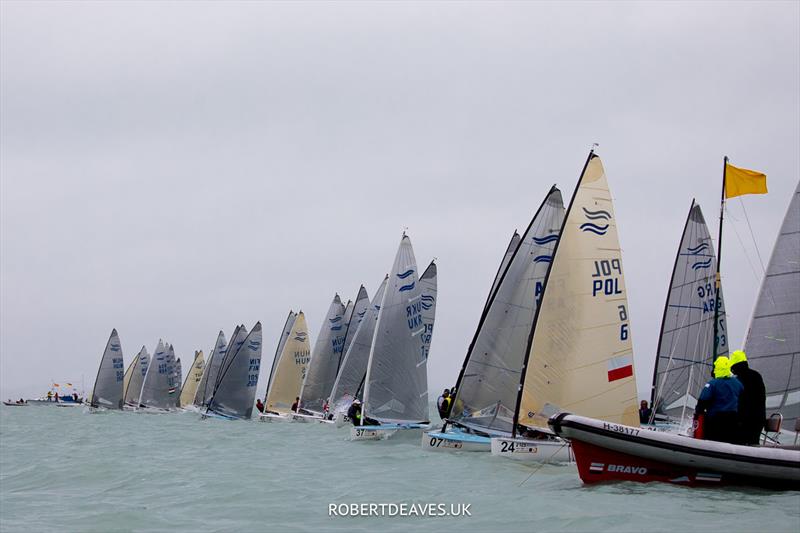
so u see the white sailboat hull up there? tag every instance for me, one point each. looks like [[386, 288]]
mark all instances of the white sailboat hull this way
[[437, 441], [384, 432], [533, 450]]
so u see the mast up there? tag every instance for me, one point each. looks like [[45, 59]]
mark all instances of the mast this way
[[717, 280], [542, 296]]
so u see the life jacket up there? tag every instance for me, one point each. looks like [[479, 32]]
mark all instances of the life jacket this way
[[446, 405]]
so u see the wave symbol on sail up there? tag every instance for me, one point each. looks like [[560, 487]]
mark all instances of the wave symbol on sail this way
[[591, 227], [702, 264], [409, 287], [543, 259], [405, 274], [427, 301], [702, 247], [546, 239]]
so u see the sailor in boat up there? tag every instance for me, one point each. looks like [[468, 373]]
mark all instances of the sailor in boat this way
[[49, 396], [296, 404], [354, 413], [752, 400], [259, 406], [644, 412], [440, 403], [719, 401], [56, 397]]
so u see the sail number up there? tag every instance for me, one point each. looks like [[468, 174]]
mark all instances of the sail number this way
[[623, 328], [438, 442], [606, 277]]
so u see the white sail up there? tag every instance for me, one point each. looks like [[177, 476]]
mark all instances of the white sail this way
[[209, 379], [137, 378], [193, 378], [178, 381], [354, 320], [773, 339], [236, 386], [324, 359], [396, 389], [488, 385], [155, 388], [107, 391], [581, 358], [510, 250], [287, 379], [428, 284], [685, 351], [350, 380]]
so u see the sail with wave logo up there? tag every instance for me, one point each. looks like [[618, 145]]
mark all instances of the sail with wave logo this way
[[773, 338], [211, 371], [428, 288], [396, 387], [134, 389], [193, 377], [512, 247], [290, 369], [357, 313], [580, 355], [324, 362], [685, 346], [107, 392], [157, 379], [487, 386], [349, 383], [236, 386]]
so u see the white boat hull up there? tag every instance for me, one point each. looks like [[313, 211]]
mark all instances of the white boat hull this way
[[412, 431], [436, 441], [533, 450]]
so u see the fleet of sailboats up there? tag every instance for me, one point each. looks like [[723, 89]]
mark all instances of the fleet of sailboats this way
[[549, 374]]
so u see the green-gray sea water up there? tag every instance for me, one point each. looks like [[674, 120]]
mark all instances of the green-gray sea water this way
[[62, 469]]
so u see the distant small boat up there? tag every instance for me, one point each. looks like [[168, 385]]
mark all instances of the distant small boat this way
[[15, 404]]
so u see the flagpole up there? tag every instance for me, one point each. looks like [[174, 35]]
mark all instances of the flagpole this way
[[717, 281]]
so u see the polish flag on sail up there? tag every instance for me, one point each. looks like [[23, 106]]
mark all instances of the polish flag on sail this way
[[620, 367]]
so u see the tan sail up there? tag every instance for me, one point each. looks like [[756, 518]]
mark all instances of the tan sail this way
[[581, 356], [128, 373], [192, 381], [291, 368]]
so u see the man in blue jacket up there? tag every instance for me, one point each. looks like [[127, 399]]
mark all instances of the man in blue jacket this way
[[719, 400]]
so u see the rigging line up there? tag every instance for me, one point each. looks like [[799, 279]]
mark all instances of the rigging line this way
[[741, 243], [758, 252], [542, 464]]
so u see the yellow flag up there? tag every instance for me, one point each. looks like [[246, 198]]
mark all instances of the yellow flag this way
[[739, 181]]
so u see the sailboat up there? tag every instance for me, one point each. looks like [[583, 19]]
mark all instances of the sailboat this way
[[235, 392], [288, 370], [396, 383], [134, 388], [579, 354], [325, 359], [159, 379], [622, 452], [193, 378], [211, 371], [107, 391], [486, 390], [686, 343], [772, 344], [349, 383]]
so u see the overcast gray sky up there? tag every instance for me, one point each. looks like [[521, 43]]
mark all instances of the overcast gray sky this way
[[170, 169]]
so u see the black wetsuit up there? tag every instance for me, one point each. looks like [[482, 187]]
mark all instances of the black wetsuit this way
[[752, 403]]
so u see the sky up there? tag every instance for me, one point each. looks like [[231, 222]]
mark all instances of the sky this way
[[173, 169]]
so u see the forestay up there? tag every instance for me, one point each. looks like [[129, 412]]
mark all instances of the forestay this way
[[350, 381], [211, 371], [686, 344], [137, 378], [107, 390], [580, 358], [773, 339], [236, 388], [286, 380], [193, 377], [324, 359], [487, 388], [396, 382]]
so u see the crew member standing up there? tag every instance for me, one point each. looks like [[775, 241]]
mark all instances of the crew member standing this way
[[752, 400], [719, 400]]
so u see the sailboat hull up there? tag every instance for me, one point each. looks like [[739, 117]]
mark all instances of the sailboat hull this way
[[532, 450], [383, 432], [612, 452], [455, 441]]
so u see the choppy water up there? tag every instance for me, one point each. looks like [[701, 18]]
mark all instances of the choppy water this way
[[66, 470]]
